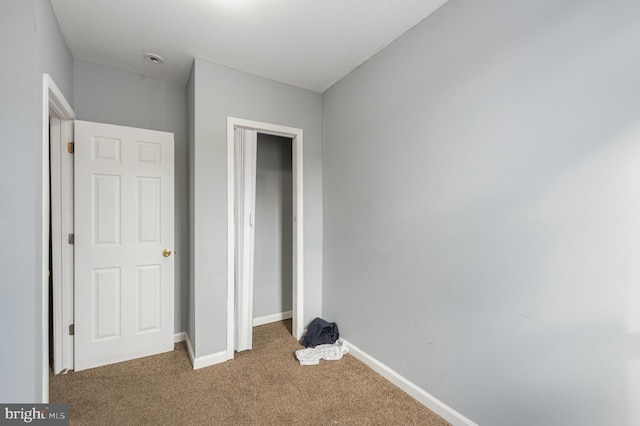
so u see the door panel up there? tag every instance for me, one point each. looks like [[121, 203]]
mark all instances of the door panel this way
[[124, 184], [106, 207]]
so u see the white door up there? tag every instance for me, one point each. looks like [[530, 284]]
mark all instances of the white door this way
[[246, 148], [124, 190]]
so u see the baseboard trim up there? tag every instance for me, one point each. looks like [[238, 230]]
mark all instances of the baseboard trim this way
[[272, 318], [419, 394], [204, 361], [179, 337]]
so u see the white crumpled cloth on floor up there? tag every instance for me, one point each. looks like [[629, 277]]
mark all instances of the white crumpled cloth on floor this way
[[312, 356]]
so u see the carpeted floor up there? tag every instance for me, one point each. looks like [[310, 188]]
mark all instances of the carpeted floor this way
[[265, 386]]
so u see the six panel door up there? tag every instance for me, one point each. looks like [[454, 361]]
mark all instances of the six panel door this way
[[124, 237]]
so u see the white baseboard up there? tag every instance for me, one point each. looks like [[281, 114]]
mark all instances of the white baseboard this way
[[179, 337], [204, 361], [419, 394], [272, 318]]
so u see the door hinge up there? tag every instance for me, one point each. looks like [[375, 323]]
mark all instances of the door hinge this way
[[70, 147], [71, 329], [72, 238]]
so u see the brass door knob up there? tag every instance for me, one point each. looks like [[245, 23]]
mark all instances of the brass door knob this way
[[166, 252]]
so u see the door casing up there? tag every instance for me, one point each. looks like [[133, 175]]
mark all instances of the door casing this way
[[54, 105], [298, 229]]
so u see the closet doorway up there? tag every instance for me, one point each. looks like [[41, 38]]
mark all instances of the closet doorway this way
[[273, 243], [278, 234]]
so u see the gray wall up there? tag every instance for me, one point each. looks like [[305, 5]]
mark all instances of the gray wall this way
[[221, 92], [481, 205], [32, 44], [53, 55], [110, 95], [273, 227]]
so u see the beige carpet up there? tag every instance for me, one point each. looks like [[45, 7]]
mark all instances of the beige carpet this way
[[265, 386]]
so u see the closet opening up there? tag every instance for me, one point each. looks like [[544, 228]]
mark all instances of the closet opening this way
[[265, 229], [273, 268]]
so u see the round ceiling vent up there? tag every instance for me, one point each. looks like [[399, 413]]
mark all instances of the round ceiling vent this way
[[153, 58]]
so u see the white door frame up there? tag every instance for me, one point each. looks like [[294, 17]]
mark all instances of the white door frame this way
[[298, 229], [60, 134], [54, 105]]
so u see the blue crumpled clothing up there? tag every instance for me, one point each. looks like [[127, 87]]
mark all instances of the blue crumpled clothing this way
[[320, 332]]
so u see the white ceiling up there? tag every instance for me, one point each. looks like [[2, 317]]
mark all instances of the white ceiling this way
[[305, 43]]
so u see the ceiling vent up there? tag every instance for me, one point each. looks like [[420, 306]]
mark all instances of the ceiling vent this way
[[153, 58]]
